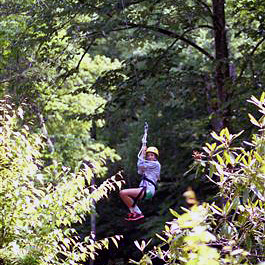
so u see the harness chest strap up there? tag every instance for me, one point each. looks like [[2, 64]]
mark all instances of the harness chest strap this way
[[149, 180]]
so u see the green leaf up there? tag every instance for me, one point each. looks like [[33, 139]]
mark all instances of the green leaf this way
[[212, 170], [254, 121], [220, 159], [161, 238], [231, 206], [174, 213], [216, 210], [216, 137], [211, 146], [115, 242], [258, 157]]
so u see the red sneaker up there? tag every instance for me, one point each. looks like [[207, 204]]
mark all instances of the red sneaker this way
[[134, 216], [129, 215]]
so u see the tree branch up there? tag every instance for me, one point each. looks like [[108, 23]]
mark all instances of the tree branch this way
[[75, 69], [251, 53], [206, 6], [172, 35], [83, 55], [122, 4], [257, 45], [126, 3]]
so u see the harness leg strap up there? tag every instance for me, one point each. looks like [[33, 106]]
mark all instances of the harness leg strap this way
[[139, 195]]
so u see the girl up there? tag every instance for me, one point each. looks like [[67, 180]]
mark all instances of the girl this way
[[149, 167]]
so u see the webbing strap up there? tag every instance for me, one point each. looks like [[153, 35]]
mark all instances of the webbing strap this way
[[138, 196], [149, 180], [144, 138]]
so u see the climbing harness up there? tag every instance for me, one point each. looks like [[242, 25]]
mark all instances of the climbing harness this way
[[143, 191]]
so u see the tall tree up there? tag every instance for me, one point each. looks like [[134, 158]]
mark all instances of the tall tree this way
[[222, 74]]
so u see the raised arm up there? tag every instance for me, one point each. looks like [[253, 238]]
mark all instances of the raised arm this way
[[142, 152]]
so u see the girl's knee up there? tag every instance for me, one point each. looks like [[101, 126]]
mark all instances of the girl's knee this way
[[122, 193]]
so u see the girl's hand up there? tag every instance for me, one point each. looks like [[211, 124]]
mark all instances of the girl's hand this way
[[141, 169]]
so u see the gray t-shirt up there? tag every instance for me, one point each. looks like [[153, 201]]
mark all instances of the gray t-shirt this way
[[150, 169]]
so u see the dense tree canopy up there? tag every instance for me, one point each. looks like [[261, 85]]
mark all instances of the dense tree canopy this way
[[90, 73]]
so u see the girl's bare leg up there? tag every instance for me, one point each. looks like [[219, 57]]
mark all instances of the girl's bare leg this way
[[128, 195]]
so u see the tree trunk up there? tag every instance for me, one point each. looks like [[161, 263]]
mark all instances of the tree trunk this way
[[93, 217], [48, 139], [222, 66]]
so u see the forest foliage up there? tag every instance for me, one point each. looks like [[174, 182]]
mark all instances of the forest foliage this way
[[38, 208], [231, 229], [84, 76]]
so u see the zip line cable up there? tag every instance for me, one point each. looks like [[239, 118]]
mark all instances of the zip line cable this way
[[130, 37], [144, 138]]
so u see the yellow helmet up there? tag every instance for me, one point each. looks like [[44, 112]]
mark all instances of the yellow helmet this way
[[152, 149]]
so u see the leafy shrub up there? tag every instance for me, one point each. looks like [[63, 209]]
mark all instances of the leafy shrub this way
[[231, 232], [37, 215]]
